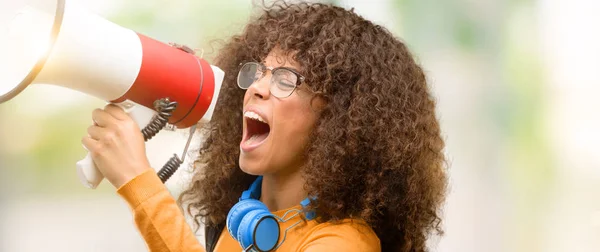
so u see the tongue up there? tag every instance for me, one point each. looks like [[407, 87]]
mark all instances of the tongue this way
[[257, 138]]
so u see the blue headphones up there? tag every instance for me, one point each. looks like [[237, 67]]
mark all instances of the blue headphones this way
[[252, 224]]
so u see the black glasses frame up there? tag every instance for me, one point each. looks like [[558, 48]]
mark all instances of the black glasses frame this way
[[299, 77]]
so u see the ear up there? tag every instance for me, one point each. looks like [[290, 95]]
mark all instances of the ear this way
[[318, 103]]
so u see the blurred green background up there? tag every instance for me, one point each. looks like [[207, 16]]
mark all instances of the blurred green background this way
[[516, 83]]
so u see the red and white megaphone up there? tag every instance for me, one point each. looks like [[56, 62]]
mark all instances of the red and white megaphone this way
[[55, 42]]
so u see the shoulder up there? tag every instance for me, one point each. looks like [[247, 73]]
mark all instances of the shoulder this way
[[347, 235]]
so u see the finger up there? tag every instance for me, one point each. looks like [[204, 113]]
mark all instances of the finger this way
[[90, 144], [116, 111], [102, 118], [96, 132]]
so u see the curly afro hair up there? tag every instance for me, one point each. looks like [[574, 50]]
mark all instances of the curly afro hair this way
[[375, 153]]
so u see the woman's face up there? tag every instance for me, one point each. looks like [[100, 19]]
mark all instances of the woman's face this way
[[277, 146]]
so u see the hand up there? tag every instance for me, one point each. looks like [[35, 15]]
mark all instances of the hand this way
[[116, 145]]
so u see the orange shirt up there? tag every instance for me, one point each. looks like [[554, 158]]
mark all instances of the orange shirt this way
[[164, 228]]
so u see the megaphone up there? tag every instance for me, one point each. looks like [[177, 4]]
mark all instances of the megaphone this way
[[56, 42]]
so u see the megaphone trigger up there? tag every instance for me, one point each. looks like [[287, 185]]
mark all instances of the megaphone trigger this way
[[127, 106]]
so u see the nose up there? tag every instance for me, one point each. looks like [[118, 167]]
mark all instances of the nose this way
[[260, 88]]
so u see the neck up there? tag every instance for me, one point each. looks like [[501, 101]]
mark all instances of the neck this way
[[282, 191]]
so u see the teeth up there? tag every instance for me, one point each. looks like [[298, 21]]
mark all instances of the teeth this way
[[254, 116], [252, 139]]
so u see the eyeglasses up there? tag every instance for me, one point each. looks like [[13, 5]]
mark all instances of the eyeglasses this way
[[283, 80]]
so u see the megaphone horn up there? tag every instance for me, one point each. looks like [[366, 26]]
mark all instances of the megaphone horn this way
[[56, 42]]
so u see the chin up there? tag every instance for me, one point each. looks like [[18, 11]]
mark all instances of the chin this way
[[251, 168]]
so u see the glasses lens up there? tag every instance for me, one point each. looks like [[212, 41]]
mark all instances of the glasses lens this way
[[249, 73], [283, 82]]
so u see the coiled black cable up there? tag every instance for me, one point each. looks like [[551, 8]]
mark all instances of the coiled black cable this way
[[169, 168], [164, 108]]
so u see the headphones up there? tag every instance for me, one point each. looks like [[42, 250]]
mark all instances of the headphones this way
[[252, 224]]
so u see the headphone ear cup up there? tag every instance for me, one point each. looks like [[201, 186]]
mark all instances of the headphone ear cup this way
[[237, 213], [259, 227]]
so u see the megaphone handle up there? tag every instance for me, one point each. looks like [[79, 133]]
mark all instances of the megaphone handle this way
[[88, 173]]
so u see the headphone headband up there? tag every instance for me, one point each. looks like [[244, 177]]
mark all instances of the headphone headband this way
[[254, 191]]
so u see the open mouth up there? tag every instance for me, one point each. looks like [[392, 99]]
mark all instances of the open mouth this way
[[257, 130]]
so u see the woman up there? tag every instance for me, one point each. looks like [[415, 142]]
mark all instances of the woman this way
[[324, 108]]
